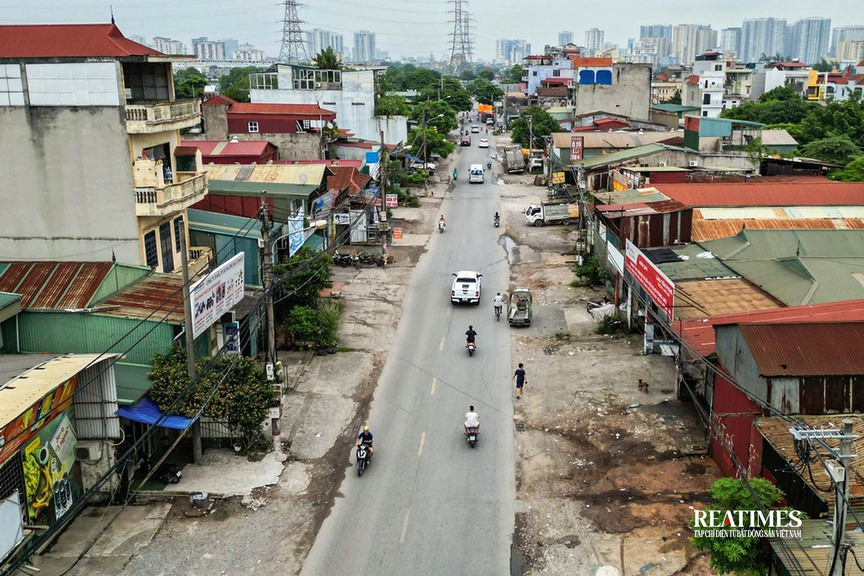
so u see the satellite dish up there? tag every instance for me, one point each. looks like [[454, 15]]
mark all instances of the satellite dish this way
[[303, 178]]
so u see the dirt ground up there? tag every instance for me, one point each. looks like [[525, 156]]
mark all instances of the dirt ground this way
[[606, 474]]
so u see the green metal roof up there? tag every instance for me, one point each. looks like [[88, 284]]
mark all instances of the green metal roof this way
[[315, 242], [10, 305], [222, 224], [620, 156], [132, 382], [694, 267], [241, 188], [797, 266], [675, 108]]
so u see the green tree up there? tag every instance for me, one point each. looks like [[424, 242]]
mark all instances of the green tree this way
[[327, 59], [515, 74], [433, 109], [302, 324], [486, 72], [435, 141], [778, 106], [409, 77], [825, 65], [676, 97], [834, 149], [745, 556], [234, 390], [780, 93], [543, 124], [300, 279], [391, 105], [467, 75], [189, 83], [853, 172], [485, 92], [451, 90], [836, 119], [235, 84]]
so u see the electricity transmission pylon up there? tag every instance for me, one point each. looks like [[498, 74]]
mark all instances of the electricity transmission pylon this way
[[293, 49]]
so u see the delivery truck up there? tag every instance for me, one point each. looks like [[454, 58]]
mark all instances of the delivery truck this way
[[552, 213]]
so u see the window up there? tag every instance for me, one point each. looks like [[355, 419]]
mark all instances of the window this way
[[704, 113], [586, 77], [179, 232], [556, 73], [253, 126], [166, 248], [604, 77], [718, 67], [151, 256], [706, 99]]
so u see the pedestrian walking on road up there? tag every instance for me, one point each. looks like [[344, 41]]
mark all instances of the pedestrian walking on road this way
[[521, 379]]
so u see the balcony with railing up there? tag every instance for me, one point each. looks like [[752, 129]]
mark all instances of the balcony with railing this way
[[199, 259], [159, 194], [162, 116]]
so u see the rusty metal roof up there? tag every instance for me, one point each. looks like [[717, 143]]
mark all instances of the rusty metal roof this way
[[706, 298], [713, 229], [811, 349], [773, 193], [159, 293], [53, 285]]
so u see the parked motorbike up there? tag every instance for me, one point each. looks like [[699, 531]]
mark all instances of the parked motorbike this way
[[342, 259], [472, 347], [592, 304], [367, 259], [363, 458], [169, 474], [471, 435]]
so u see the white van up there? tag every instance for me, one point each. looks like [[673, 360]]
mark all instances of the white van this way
[[476, 174]]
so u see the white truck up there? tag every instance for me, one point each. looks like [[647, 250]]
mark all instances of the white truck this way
[[552, 213]]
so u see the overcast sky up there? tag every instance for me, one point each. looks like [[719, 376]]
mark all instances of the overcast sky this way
[[415, 27]]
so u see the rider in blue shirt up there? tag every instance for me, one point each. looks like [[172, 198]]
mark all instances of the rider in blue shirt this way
[[365, 437]]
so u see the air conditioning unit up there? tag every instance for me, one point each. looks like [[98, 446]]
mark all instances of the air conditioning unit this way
[[662, 164], [88, 450], [693, 163]]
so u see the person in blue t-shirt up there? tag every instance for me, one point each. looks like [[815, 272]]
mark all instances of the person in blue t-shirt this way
[[365, 437]]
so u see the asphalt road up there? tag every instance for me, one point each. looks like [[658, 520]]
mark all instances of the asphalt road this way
[[430, 504]]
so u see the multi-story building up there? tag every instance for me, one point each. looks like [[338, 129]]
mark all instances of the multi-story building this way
[[593, 40], [845, 34], [688, 40], [807, 39], [169, 46], [229, 45], [704, 88], [248, 53], [350, 94], [318, 40], [511, 51], [850, 51], [770, 75], [565, 38], [364, 47], [730, 41], [207, 49], [91, 133], [657, 31], [762, 37]]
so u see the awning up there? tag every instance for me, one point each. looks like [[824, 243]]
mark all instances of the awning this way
[[146, 412], [315, 243]]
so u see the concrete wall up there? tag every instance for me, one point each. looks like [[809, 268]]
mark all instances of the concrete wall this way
[[215, 122], [354, 104], [629, 94], [291, 146], [68, 183]]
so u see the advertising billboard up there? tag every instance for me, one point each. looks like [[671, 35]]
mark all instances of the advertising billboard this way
[[656, 284], [216, 294], [295, 232], [392, 200], [51, 479], [577, 144]]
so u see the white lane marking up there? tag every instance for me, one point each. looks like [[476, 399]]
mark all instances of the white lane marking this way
[[422, 442], [404, 526], [434, 381], [441, 346]]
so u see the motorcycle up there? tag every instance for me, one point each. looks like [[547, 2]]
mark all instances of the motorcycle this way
[[363, 458], [497, 313], [367, 259], [593, 304], [169, 474], [471, 434], [455, 175], [342, 259], [489, 165], [497, 222], [441, 227], [472, 347]]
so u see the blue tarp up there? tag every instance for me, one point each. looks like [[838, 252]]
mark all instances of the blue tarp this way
[[146, 412]]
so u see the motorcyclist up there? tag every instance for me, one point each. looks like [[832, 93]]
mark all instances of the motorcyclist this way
[[472, 420], [489, 164], [498, 303], [455, 174], [365, 437], [470, 335], [497, 218], [441, 223]]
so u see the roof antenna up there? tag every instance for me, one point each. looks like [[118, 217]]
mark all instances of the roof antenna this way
[[111, 7]]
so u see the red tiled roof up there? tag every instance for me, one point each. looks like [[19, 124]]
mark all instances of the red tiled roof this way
[[807, 193], [68, 41], [219, 99], [693, 79], [54, 285], [699, 334], [787, 64], [589, 62], [346, 177], [556, 81], [187, 149], [812, 349], [312, 110]]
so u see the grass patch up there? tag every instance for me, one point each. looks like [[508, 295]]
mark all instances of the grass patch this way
[[345, 349], [611, 325], [562, 336]]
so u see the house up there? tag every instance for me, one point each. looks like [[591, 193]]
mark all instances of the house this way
[[770, 75], [234, 151], [294, 129], [350, 94], [86, 114]]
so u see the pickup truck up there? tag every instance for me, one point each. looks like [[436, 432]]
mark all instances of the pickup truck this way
[[466, 287], [551, 213]]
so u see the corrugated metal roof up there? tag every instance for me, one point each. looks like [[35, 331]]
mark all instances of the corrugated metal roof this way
[[68, 40], [54, 285], [224, 224], [809, 349], [228, 147], [674, 108], [706, 298], [704, 230], [606, 140], [755, 193], [305, 110], [620, 156], [159, 293], [302, 174], [699, 334]]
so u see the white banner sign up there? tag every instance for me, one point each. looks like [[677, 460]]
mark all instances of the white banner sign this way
[[217, 294]]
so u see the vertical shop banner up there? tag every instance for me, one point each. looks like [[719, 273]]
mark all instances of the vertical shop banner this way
[[577, 144], [656, 284], [51, 479], [217, 294]]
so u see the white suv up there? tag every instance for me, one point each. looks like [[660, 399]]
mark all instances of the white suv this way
[[466, 287]]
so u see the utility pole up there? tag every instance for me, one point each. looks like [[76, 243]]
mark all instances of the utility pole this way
[[530, 135], [267, 279], [197, 451], [425, 160], [383, 168]]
